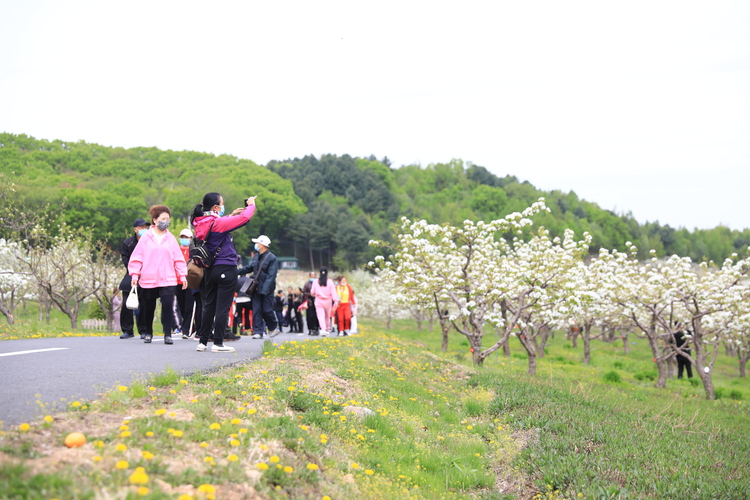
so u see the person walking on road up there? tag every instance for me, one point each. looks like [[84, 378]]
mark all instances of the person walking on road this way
[[140, 226], [326, 297], [347, 306], [311, 314], [264, 267], [156, 266], [220, 280]]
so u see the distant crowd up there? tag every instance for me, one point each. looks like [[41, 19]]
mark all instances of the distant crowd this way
[[204, 293]]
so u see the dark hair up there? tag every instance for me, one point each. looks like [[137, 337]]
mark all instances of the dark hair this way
[[323, 280], [155, 211], [209, 200]]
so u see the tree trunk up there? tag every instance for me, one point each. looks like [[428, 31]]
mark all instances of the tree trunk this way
[[506, 349], [475, 341], [625, 344], [743, 362], [445, 339], [661, 368], [8, 315], [531, 351], [544, 332], [586, 344]]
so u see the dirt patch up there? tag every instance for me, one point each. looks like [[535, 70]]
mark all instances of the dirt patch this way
[[509, 480]]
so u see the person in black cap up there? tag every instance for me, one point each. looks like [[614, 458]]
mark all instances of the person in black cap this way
[[140, 227]]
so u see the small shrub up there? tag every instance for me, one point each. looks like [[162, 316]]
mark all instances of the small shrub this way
[[694, 382], [719, 392], [618, 365], [612, 377], [645, 375], [735, 394], [96, 312]]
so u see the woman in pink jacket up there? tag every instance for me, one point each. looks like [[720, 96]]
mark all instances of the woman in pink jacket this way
[[157, 266], [325, 295]]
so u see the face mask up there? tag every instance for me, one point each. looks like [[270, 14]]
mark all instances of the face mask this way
[[312, 279], [141, 232], [256, 247], [184, 242], [221, 211], [162, 224]]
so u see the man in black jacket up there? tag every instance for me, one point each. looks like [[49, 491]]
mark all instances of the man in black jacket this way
[[126, 315], [264, 267]]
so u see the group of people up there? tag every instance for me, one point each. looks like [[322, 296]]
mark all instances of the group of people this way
[[156, 266]]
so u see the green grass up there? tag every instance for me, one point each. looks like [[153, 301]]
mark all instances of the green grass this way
[[436, 429]]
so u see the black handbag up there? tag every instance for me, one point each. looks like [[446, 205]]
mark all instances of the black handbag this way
[[252, 282]]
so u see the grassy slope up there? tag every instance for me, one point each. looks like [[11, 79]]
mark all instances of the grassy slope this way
[[440, 429]]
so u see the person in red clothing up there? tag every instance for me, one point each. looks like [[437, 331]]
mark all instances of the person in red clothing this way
[[347, 306]]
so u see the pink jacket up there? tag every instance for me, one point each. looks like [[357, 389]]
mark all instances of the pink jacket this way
[[324, 292], [157, 264]]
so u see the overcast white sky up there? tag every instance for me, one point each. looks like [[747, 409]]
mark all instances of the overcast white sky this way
[[642, 107]]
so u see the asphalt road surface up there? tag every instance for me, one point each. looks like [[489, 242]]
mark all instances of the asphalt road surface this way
[[58, 371]]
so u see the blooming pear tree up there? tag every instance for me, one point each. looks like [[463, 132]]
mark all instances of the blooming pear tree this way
[[105, 276], [473, 269], [13, 280], [61, 267]]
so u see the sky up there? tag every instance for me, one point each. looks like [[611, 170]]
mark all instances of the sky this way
[[642, 106]]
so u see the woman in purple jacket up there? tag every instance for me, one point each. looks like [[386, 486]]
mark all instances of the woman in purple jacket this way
[[220, 280]]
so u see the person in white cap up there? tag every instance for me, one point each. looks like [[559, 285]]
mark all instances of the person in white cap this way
[[264, 267]]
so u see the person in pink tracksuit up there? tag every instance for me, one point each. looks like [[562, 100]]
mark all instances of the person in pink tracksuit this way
[[157, 268], [325, 295]]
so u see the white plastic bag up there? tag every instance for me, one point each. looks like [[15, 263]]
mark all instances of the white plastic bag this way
[[132, 302], [353, 327]]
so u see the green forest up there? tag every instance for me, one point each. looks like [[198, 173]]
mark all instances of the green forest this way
[[323, 211]]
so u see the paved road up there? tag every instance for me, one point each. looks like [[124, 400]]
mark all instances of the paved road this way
[[81, 368]]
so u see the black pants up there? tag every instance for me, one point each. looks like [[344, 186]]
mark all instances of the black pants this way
[[185, 303], [312, 316], [243, 316], [217, 292], [263, 314], [147, 298], [127, 315], [684, 363]]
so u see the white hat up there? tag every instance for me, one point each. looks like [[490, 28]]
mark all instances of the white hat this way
[[186, 232], [263, 240]]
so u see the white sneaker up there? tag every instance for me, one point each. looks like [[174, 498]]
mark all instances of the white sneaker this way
[[222, 348], [201, 347], [274, 333], [324, 333], [256, 336]]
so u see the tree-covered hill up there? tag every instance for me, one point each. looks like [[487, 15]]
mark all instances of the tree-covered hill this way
[[321, 210]]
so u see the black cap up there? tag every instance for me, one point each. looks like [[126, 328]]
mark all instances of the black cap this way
[[140, 222]]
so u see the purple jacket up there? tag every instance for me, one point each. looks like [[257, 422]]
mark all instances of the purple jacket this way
[[221, 234]]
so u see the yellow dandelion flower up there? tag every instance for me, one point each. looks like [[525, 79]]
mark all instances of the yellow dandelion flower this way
[[236, 421], [172, 391], [177, 434], [97, 458], [139, 476], [214, 426], [160, 411], [234, 442], [288, 469], [121, 447], [185, 496], [98, 443], [152, 388], [48, 419], [264, 447], [122, 464], [75, 404], [274, 459], [150, 434], [147, 455], [143, 491], [125, 434], [217, 392], [312, 466], [233, 458], [203, 444], [470, 427], [207, 489], [122, 388], [194, 401], [354, 465], [342, 418], [326, 497], [208, 459], [243, 431], [369, 472], [262, 466], [184, 382], [24, 427]]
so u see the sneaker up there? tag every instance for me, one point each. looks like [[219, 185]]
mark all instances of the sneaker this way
[[177, 331], [274, 333], [232, 338], [127, 336], [143, 336], [324, 333], [201, 347], [346, 333], [168, 340], [147, 339], [222, 348], [185, 336], [257, 336]]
